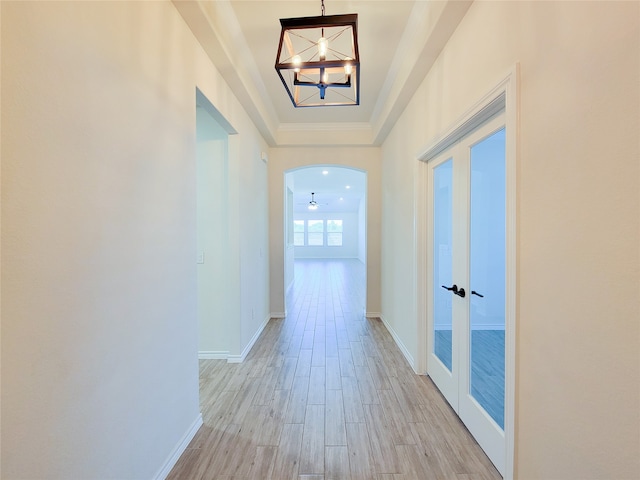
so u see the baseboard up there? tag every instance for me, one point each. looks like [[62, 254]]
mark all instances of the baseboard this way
[[401, 346], [213, 355], [182, 445], [487, 326], [278, 315], [240, 358], [373, 314]]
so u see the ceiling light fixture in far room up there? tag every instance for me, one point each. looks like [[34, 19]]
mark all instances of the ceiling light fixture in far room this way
[[313, 205], [318, 60]]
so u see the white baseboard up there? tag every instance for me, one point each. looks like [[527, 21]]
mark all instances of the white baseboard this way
[[212, 355], [401, 346], [487, 326], [278, 314], [442, 328], [179, 449], [240, 358]]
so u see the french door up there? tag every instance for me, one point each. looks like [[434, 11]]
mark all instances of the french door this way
[[467, 297]]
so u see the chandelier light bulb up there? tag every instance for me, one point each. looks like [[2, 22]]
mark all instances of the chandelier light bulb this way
[[323, 47], [296, 63], [325, 77], [347, 66]]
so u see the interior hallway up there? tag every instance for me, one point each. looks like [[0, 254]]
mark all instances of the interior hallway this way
[[326, 394]]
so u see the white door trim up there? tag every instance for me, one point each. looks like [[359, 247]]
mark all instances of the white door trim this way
[[508, 88]]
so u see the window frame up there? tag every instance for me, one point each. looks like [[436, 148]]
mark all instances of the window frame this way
[[322, 232], [341, 231]]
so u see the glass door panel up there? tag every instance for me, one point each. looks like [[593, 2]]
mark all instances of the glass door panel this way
[[487, 275], [442, 262], [467, 249]]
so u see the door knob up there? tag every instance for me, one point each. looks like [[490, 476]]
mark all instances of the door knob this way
[[473, 292], [454, 288]]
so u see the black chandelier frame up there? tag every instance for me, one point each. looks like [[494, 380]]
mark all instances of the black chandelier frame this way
[[316, 71]]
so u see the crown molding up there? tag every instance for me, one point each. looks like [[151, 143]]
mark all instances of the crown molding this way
[[430, 26], [323, 127], [215, 26]]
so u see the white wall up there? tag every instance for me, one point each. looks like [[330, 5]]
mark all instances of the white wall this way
[[249, 174], [362, 230], [99, 321], [578, 220], [215, 297], [290, 249], [350, 235], [284, 159]]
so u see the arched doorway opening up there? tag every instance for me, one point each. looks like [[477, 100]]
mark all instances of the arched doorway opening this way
[[326, 223]]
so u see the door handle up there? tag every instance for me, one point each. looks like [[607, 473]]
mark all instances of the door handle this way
[[454, 288], [473, 292]]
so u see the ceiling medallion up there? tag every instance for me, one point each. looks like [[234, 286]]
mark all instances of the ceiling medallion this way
[[318, 60]]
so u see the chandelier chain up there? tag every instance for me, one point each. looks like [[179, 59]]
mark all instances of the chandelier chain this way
[[322, 7]]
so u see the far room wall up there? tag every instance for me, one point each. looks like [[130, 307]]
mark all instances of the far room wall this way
[[282, 160], [350, 236]]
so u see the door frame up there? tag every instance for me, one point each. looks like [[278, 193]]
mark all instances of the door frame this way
[[505, 93]]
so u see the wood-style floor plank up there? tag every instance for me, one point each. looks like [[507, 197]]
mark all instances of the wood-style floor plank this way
[[326, 394], [298, 401], [312, 453], [385, 456], [316, 386], [361, 463], [262, 464], [288, 454], [353, 406], [334, 427], [337, 463], [398, 427], [303, 369], [332, 381], [286, 374]]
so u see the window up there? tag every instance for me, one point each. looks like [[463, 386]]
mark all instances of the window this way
[[315, 233], [298, 232], [334, 233], [311, 233]]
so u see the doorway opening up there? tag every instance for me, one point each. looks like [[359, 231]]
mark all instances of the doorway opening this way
[[212, 239], [466, 269], [326, 222]]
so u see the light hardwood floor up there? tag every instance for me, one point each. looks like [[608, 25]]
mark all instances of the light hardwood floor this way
[[326, 394]]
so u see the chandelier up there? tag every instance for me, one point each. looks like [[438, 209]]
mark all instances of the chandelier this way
[[318, 60]]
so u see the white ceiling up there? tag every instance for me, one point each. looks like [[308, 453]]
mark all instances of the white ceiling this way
[[383, 21], [340, 189], [398, 40]]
